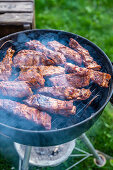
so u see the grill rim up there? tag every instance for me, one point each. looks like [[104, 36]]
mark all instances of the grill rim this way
[[110, 93]]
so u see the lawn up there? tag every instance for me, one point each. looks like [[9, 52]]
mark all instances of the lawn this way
[[93, 20]]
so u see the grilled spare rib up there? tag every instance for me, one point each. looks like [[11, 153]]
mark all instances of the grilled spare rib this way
[[6, 65], [102, 79], [87, 59], [28, 58], [66, 51], [15, 89], [31, 76], [29, 113], [65, 92], [67, 80], [52, 105], [56, 57], [51, 70]]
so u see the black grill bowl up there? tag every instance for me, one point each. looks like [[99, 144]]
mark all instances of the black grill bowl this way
[[62, 134]]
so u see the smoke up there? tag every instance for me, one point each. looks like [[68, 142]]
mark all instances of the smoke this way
[[58, 121]]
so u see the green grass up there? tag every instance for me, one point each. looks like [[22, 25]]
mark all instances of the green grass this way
[[92, 19]]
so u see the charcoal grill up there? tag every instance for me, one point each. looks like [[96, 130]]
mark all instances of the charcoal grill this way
[[87, 112]]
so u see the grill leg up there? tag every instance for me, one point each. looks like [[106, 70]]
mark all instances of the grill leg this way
[[99, 160], [27, 153]]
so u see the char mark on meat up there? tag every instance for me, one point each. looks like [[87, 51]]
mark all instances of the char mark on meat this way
[[15, 89], [52, 105], [65, 92], [32, 76], [87, 59], [68, 80], [102, 79], [6, 65], [66, 51], [56, 57], [29, 113]]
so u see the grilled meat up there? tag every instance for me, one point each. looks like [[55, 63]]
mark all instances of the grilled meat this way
[[46, 70], [57, 57], [6, 65], [51, 70], [71, 68], [66, 51], [67, 80], [28, 58], [29, 113], [15, 89], [87, 59], [50, 104], [31, 76], [102, 79], [65, 92]]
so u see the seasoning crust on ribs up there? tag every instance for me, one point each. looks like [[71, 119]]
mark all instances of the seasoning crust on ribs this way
[[29, 113], [28, 58], [102, 79], [87, 59], [68, 80], [66, 51], [65, 92], [15, 89], [32, 76], [6, 65], [52, 105], [56, 57]]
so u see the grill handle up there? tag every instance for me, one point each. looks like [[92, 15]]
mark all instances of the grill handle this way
[[111, 100]]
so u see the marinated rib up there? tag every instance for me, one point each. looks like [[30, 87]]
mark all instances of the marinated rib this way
[[15, 89], [51, 70], [87, 59], [102, 79], [6, 65], [29, 113], [71, 68], [65, 92], [73, 80], [52, 105], [57, 57], [66, 51], [32, 76], [28, 58]]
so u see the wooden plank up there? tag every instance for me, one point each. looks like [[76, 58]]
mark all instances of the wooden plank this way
[[16, 7], [16, 18]]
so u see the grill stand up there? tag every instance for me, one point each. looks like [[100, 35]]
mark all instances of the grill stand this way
[[99, 159]]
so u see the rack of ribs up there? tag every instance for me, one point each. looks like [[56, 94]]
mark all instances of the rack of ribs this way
[[6, 65], [51, 105], [66, 51], [15, 89], [87, 59], [68, 80], [102, 79], [29, 113], [32, 76], [57, 57], [65, 92]]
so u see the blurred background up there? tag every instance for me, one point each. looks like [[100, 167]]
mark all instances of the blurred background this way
[[92, 19]]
